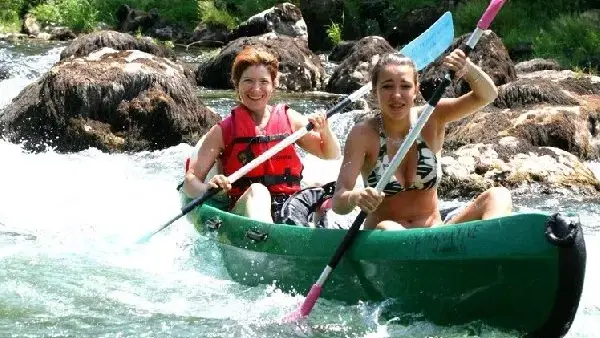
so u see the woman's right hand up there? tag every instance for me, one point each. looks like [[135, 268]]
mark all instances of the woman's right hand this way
[[367, 199], [220, 181]]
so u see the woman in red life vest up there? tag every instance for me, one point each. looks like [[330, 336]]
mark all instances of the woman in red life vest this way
[[253, 127]]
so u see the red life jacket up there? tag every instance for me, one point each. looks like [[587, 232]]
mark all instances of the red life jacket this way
[[243, 142]]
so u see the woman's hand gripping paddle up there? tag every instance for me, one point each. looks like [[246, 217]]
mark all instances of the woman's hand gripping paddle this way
[[424, 49], [315, 290]]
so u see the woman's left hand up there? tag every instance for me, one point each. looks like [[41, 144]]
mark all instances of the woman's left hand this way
[[457, 61], [319, 121]]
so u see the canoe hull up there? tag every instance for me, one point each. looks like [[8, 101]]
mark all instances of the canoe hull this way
[[509, 272]]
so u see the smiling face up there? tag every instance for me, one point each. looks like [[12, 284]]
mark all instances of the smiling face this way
[[255, 88], [396, 90], [254, 75]]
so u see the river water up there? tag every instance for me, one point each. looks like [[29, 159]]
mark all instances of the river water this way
[[69, 266]]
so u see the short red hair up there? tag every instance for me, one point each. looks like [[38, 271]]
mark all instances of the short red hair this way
[[251, 56]]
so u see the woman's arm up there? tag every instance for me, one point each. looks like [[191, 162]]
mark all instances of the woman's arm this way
[[346, 198], [354, 157], [483, 92], [193, 185], [320, 141]]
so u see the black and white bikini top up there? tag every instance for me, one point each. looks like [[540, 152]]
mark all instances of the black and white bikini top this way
[[429, 170]]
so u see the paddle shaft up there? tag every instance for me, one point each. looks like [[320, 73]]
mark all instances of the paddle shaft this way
[[350, 236]]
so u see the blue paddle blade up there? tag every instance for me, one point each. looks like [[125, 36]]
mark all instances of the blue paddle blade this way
[[432, 43]]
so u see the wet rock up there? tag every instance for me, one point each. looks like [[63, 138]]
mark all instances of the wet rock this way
[[210, 35], [318, 16], [557, 109], [30, 25], [86, 44], [529, 91], [537, 64], [112, 100], [355, 70], [489, 54], [131, 19], [61, 34], [341, 51], [474, 168], [282, 19], [299, 68], [149, 23]]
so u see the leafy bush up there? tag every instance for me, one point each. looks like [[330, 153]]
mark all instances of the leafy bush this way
[[9, 14], [210, 14], [80, 15], [47, 14], [334, 32]]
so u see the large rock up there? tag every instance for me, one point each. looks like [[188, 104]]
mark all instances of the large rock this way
[[131, 19], [210, 35], [282, 19], [528, 91], [355, 70], [319, 15], [536, 64], [489, 54], [551, 110], [149, 23], [111, 100], [524, 169], [30, 25], [299, 68], [86, 44], [341, 51]]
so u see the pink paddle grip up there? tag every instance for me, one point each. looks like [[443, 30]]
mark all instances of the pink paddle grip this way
[[310, 300], [490, 14], [307, 305]]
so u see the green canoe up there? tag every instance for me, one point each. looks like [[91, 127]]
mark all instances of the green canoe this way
[[523, 272]]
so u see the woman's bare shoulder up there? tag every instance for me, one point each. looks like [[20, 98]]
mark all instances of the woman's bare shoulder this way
[[367, 127]]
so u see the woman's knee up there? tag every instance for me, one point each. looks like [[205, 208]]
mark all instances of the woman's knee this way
[[499, 196], [389, 225], [257, 190]]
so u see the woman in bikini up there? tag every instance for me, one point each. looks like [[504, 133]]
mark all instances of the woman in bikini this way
[[410, 199]]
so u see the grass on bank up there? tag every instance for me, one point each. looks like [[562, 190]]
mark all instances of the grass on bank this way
[[9, 15], [554, 30]]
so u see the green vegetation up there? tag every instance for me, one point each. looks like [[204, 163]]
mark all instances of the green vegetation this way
[[572, 41], [334, 32], [9, 15], [210, 14], [80, 15], [553, 28]]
